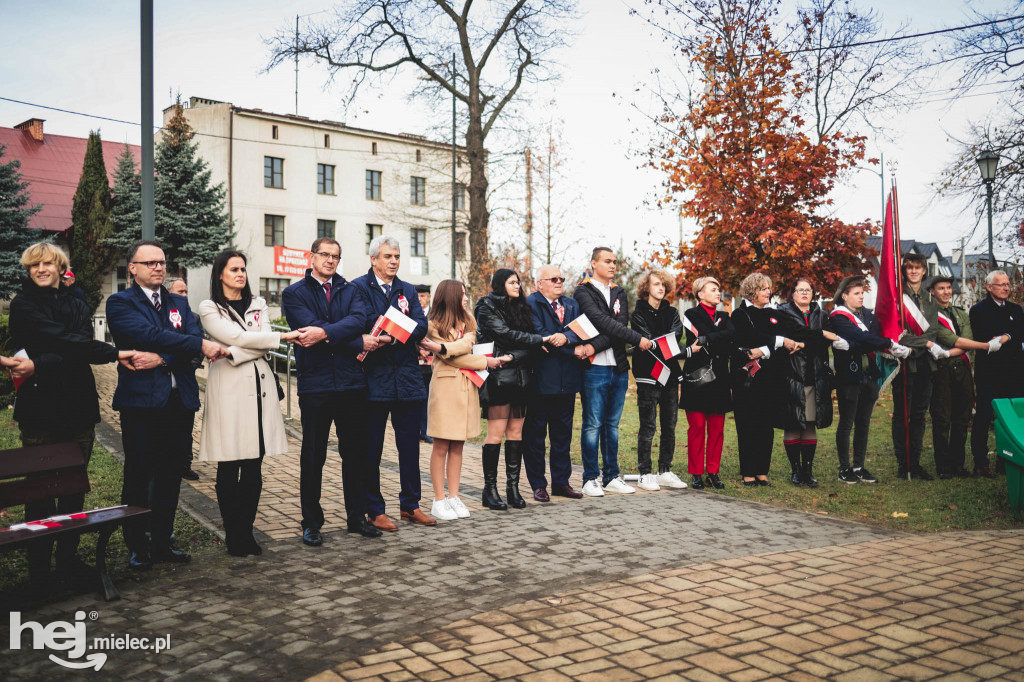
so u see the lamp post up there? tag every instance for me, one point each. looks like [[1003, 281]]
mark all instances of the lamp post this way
[[988, 161]]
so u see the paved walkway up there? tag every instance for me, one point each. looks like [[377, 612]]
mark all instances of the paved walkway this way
[[685, 583]]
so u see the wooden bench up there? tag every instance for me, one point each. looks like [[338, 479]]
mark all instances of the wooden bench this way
[[43, 472]]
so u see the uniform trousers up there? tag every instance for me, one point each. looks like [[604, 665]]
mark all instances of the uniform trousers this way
[[346, 410], [917, 387], [405, 420], [754, 429], [952, 400], [548, 415]]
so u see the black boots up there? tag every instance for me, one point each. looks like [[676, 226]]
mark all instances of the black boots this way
[[793, 452], [806, 477], [228, 503], [513, 464], [491, 498]]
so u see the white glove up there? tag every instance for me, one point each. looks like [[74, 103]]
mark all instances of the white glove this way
[[841, 344], [994, 345], [899, 351], [938, 352]]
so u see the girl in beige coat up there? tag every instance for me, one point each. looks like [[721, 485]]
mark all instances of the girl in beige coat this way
[[242, 416], [453, 405]]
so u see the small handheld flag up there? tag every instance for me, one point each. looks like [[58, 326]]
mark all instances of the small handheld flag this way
[[688, 326], [668, 346], [479, 376], [18, 381], [660, 372], [583, 328], [484, 349], [398, 325], [374, 332]]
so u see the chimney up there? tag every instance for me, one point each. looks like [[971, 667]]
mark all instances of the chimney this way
[[34, 127]]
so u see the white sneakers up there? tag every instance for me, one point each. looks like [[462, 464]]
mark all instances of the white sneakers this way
[[442, 510], [668, 480], [649, 482], [456, 506], [593, 489], [617, 485]]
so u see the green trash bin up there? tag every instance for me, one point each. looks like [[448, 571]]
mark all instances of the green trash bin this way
[[1010, 446]]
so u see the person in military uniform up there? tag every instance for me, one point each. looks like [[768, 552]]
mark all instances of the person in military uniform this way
[[953, 384], [912, 387]]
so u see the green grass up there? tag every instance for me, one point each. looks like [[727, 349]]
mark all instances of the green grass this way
[[965, 504], [105, 476]]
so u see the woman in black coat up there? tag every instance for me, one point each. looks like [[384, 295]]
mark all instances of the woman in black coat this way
[[706, 395], [806, 381], [58, 402], [759, 351], [503, 317]]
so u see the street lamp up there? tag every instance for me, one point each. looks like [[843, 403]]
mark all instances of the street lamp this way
[[988, 161]]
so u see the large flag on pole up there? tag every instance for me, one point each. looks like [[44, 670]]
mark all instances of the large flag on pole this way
[[888, 299]]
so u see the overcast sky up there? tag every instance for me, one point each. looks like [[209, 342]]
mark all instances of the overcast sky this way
[[84, 57]]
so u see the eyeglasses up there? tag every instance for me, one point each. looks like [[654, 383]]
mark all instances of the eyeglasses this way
[[328, 256], [151, 264], [556, 280], [999, 284], [802, 291]]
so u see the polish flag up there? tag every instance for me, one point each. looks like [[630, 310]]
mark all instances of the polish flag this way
[[583, 328], [668, 346], [688, 326], [18, 381], [484, 349], [660, 372], [479, 376], [398, 325]]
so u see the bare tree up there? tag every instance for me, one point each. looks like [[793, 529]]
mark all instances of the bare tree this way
[[484, 60]]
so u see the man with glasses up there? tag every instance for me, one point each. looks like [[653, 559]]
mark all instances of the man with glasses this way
[[395, 385], [331, 314], [557, 380], [998, 374], [157, 401]]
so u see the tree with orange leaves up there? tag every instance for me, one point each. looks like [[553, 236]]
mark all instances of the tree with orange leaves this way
[[741, 165]]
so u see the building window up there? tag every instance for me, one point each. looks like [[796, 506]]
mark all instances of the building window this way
[[327, 141], [418, 242], [325, 228], [273, 132], [122, 278], [273, 172], [418, 191], [931, 269], [271, 288], [373, 148], [273, 230], [324, 179], [460, 196], [419, 156], [460, 246], [372, 232], [373, 185]]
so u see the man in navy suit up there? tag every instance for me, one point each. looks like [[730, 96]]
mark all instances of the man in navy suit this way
[[157, 401], [558, 378], [395, 385], [998, 372], [331, 314]]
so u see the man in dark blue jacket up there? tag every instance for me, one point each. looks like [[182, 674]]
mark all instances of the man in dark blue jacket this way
[[395, 384], [558, 378], [331, 314], [157, 401]]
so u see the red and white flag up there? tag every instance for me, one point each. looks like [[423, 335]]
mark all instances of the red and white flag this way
[[668, 346], [398, 325], [484, 349], [583, 328], [888, 302], [374, 332], [18, 381], [660, 372], [688, 326], [479, 376]]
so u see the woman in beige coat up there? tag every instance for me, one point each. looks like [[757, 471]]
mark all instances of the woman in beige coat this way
[[242, 417], [453, 405]]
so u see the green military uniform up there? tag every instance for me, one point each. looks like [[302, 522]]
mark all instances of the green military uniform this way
[[952, 396], [913, 386]]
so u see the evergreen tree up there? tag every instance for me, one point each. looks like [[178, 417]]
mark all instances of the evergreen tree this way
[[91, 257], [191, 220], [15, 236], [126, 207]]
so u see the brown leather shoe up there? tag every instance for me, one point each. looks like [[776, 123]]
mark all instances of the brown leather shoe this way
[[418, 517], [566, 491], [382, 522], [541, 495]]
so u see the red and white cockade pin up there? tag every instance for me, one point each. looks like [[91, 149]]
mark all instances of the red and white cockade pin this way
[[403, 304], [616, 308], [175, 318], [774, 321]]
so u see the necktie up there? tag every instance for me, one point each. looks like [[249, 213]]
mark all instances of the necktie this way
[[387, 289], [156, 301], [559, 310], [327, 290]]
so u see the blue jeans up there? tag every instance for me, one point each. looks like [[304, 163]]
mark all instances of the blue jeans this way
[[604, 392]]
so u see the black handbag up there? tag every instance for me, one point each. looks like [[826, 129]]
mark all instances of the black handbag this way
[[512, 377], [700, 376]]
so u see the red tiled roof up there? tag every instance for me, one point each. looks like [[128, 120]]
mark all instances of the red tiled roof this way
[[52, 168]]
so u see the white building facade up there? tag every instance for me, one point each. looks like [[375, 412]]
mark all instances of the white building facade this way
[[290, 180]]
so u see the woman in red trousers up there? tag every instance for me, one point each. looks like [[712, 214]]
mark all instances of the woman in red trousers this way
[[705, 384]]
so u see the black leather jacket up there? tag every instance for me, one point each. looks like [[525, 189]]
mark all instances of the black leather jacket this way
[[492, 325]]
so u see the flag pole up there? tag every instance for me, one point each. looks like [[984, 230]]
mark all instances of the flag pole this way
[[898, 261]]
